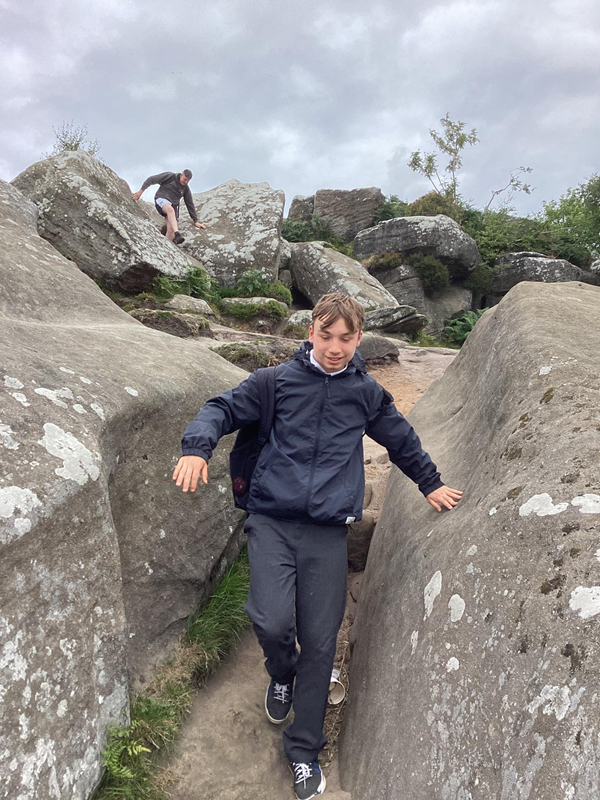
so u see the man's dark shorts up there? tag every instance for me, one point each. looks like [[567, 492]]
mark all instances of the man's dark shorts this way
[[158, 202]]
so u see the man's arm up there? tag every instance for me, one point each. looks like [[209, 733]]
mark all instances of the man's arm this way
[[189, 201], [160, 178]]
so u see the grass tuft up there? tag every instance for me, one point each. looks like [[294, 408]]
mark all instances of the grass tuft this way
[[156, 715]]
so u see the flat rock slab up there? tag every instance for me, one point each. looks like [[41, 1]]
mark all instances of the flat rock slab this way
[[512, 268], [228, 750]]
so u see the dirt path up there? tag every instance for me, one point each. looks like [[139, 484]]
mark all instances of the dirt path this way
[[228, 750]]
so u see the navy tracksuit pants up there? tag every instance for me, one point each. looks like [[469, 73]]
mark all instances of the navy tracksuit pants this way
[[298, 579]]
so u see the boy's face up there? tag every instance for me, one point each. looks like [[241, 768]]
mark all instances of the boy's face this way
[[334, 346]]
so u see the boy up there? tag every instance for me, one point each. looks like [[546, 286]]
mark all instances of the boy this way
[[172, 187], [308, 485]]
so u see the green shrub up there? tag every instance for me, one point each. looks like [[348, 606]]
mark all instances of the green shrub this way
[[279, 291], [458, 329], [433, 274], [433, 203], [318, 230], [247, 311], [384, 261], [480, 280], [197, 283], [295, 332], [391, 208], [252, 283], [294, 230]]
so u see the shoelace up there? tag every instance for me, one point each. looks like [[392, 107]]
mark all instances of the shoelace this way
[[302, 772], [281, 692]]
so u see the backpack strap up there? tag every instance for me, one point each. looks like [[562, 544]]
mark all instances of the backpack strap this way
[[266, 383]]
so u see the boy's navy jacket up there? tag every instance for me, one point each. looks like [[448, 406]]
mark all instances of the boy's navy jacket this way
[[311, 469]]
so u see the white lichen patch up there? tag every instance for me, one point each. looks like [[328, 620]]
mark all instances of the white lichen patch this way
[[79, 408], [492, 511], [14, 499], [13, 383], [556, 700], [132, 392], [431, 591], [98, 410], [542, 506], [585, 600], [83, 379], [21, 398], [162, 534], [79, 464], [55, 395], [457, 608], [452, 665], [545, 370], [6, 437], [587, 503], [68, 371], [414, 640], [472, 550]]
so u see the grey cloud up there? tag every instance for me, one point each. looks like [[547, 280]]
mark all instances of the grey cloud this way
[[310, 95]]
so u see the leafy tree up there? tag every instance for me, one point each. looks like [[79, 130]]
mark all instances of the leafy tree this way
[[451, 142], [72, 137], [391, 208], [515, 183]]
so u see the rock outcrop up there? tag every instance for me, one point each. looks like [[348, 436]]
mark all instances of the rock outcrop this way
[[243, 226], [513, 268], [102, 558], [476, 668], [401, 319], [437, 236], [302, 208], [348, 211], [318, 269], [86, 211]]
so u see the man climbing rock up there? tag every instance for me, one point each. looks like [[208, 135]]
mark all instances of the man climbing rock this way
[[172, 187]]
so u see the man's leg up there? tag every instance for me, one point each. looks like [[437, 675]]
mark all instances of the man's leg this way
[[270, 603], [322, 575], [172, 224]]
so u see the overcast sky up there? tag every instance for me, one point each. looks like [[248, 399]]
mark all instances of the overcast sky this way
[[307, 94]]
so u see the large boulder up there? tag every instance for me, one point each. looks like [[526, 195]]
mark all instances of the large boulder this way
[[243, 226], [437, 236], [348, 211], [512, 268], [403, 282], [302, 208], [86, 211], [318, 269], [477, 663], [102, 558], [398, 319]]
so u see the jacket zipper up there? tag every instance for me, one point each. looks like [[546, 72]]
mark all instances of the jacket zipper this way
[[317, 437]]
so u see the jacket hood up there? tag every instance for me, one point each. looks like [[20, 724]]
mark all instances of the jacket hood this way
[[303, 354]]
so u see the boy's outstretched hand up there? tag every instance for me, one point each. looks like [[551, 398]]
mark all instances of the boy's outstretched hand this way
[[444, 496], [188, 470]]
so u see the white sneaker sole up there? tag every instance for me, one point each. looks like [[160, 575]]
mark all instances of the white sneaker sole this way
[[270, 718]]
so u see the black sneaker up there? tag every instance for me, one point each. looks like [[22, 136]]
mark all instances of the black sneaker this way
[[178, 238], [278, 701], [309, 781]]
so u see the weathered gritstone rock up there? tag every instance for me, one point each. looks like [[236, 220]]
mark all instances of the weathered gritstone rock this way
[[476, 670], [243, 226], [301, 318], [102, 559], [377, 349], [318, 269], [437, 236], [302, 208], [88, 214], [595, 267], [513, 268], [404, 284], [402, 319], [252, 301], [182, 302], [348, 211], [174, 323]]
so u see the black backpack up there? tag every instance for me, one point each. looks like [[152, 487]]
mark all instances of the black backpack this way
[[251, 439]]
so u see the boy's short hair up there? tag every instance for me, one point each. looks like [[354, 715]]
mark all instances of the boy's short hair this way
[[333, 306], [188, 174]]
